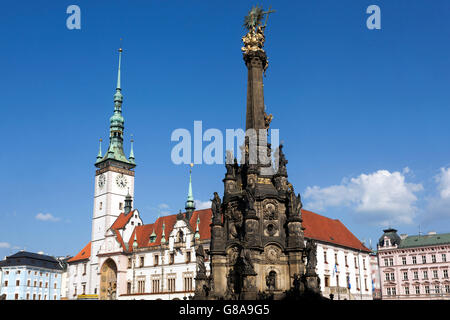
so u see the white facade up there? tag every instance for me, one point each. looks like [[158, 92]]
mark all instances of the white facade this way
[[338, 267]]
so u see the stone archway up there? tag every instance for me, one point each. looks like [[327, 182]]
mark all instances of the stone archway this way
[[108, 280]]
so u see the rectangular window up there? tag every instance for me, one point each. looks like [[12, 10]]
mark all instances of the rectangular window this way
[[357, 283], [100, 206], [365, 284], [155, 285], [171, 284], [6, 283], [433, 258], [447, 288], [425, 274], [424, 259], [156, 260], [327, 281], [404, 260], [345, 258], [407, 290], [35, 283], [17, 283], [120, 205], [364, 264], [34, 296], [129, 263], [84, 268], [437, 289], [142, 261], [325, 257], [188, 284], [388, 291], [28, 296], [394, 291], [445, 273], [387, 276], [141, 286], [336, 259], [444, 257], [417, 290], [28, 283], [427, 289], [188, 256], [171, 258], [414, 260], [83, 286], [392, 276], [416, 275], [405, 275], [435, 274], [16, 296], [128, 287]]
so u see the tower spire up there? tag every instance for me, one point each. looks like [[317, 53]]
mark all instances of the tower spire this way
[[99, 155], [116, 128], [190, 207], [131, 157]]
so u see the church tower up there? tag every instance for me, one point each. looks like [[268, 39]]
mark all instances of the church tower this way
[[114, 178], [257, 241]]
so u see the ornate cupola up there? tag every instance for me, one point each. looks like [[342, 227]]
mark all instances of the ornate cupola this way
[[128, 203]]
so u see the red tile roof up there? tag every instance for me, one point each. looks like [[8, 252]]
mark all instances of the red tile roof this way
[[122, 220], [144, 232], [321, 228], [84, 254]]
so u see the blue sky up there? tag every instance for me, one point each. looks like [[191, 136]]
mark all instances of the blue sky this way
[[363, 113]]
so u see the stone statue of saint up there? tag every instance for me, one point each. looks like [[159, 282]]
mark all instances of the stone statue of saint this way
[[200, 259], [296, 282], [311, 254], [216, 210]]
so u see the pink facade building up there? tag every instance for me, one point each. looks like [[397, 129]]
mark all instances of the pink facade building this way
[[414, 267]]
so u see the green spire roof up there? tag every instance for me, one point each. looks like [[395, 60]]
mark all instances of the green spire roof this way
[[116, 128], [99, 156], [190, 198], [197, 231], [131, 157]]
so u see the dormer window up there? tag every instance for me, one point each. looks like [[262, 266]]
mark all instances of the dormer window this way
[[387, 243], [152, 237], [180, 236]]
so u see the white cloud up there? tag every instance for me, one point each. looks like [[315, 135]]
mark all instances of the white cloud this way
[[46, 217], [163, 206], [443, 181], [381, 195], [5, 245], [199, 205]]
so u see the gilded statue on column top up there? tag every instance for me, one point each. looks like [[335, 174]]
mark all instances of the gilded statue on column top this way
[[255, 38]]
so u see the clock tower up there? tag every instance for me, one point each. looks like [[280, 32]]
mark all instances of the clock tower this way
[[114, 179]]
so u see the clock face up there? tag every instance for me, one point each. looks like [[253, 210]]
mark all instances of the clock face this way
[[101, 181], [121, 181]]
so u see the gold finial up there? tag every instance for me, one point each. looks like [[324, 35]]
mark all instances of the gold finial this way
[[101, 139], [191, 165]]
